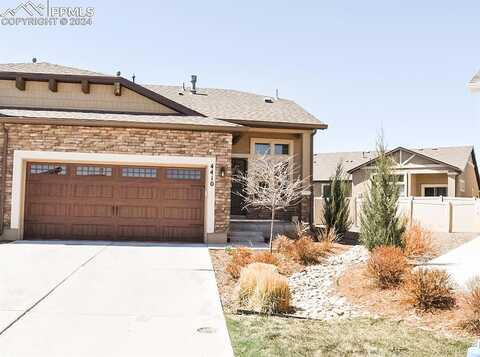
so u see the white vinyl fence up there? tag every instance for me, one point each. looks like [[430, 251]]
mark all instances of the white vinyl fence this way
[[438, 214]]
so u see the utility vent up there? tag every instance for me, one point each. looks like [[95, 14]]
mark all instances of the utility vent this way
[[268, 100]]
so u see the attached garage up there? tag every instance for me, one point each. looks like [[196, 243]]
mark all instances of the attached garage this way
[[114, 202]]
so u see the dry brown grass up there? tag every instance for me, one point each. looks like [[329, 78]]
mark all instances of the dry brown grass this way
[[262, 289], [428, 290], [417, 241], [241, 257], [304, 250], [387, 265], [472, 310]]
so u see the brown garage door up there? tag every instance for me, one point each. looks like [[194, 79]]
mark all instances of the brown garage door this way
[[77, 201]]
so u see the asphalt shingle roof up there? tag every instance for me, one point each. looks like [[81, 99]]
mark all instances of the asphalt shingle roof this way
[[324, 164], [46, 68], [236, 105], [134, 118]]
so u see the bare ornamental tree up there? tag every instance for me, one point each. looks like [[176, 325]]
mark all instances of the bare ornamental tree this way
[[271, 184]]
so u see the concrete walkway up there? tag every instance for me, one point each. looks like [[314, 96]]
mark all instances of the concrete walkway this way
[[103, 299], [462, 263]]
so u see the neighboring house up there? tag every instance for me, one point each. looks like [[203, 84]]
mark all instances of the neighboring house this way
[[444, 171], [93, 156]]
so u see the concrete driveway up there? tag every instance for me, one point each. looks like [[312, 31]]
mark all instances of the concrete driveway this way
[[104, 299], [462, 263]]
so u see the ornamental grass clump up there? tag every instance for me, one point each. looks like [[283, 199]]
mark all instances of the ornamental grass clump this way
[[387, 266], [241, 257], [472, 311], [429, 289], [417, 241], [263, 289], [303, 250]]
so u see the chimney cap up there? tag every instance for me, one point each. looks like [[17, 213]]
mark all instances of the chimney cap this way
[[194, 83], [34, 60], [119, 73]]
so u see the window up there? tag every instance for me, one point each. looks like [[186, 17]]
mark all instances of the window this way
[[184, 174], [281, 149], [401, 183], [271, 146], [262, 149], [139, 172], [435, 190], [48, 169], [93, 171], [326, 190]]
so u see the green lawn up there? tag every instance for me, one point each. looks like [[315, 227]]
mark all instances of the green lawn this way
[[275, 336]]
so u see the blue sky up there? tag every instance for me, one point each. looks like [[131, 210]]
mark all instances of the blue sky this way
[[357, 65]]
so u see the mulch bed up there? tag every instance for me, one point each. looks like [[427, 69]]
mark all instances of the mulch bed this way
[[227, 285], [360, 290]]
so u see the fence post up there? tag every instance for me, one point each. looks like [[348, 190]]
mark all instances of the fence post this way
[[410, 214], [449, 215]]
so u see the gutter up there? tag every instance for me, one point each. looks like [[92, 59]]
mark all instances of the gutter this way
[[118, 124], [4, 176]]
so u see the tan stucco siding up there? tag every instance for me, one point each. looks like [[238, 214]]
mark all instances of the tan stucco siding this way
[[244, 143], [427, 179], [70, 96], [469, 184]]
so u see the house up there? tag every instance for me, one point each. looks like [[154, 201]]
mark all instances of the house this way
[[443, 171], [92, 156]]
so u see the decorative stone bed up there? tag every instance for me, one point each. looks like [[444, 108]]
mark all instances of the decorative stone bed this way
[[313, 293]]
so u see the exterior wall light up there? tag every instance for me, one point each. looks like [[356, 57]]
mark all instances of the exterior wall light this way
[[222, 171]]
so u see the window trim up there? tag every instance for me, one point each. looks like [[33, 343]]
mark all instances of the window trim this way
[[433, 185], [322, 189], [272, 143]]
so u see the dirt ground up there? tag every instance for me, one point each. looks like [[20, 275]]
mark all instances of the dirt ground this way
[[360, 290]]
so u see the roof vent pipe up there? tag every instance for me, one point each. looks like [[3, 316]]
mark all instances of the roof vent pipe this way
[[34, 60], [194, 83]]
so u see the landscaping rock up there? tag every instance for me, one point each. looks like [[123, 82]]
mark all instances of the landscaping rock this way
[[312, 292]]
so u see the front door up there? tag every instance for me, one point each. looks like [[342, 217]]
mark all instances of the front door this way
[[239, 166]]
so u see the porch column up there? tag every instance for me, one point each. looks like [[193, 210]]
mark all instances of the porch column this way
[[452, 180], [409, 191], [307, 157]]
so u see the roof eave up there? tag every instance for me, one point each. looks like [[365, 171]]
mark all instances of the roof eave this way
[[117, 123], [280, 125]]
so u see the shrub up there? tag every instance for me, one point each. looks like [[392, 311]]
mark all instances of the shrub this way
[[380, 222], [304, 250], [241, 257], [307, 251], [262, 289], [472, 311], [283, 244], [417, 241], [265, 257], [429, 289], [387, 265], [336, 208]]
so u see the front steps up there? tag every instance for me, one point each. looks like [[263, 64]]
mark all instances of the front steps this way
[[255, 231]]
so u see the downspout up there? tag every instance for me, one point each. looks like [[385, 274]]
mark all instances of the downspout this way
[[311, 178], [4, 177]]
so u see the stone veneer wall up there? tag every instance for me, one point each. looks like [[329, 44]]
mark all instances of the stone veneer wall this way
[[126, 141]]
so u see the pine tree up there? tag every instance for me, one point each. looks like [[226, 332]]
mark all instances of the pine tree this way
[[336, 207], [380, 221]]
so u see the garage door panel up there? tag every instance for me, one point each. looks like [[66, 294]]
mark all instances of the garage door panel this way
[[138, 232], [138, 193], [92, 231], [45, 230], [51, 189], [47, 209], [92, 191], [138, 212], [182, 193], [183, 213], [92, 210]]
